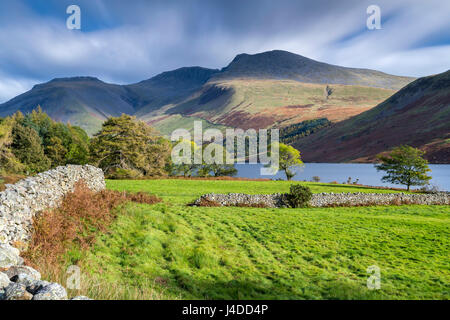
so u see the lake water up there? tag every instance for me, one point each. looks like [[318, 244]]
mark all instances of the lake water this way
[[340, 172]]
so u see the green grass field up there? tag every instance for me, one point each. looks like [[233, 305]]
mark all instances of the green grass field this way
[[252, 253]]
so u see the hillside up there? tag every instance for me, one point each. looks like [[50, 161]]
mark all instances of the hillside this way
[[418, 115], [274, 88], [82, 101], [170, 87], [88, 101], [279, 64], [254, 103]]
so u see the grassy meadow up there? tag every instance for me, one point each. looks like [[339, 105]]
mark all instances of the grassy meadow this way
[[173, 251]]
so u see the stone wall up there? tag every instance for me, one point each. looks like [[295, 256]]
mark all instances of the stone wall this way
[[329, 199], [20, 282], [20, 202]]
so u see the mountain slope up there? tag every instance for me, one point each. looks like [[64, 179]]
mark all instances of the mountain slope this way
[[279, 88], [84, 101], [279, 64], [252, 103], [87, 101], [418, 115], [169, 87], [274, 88]]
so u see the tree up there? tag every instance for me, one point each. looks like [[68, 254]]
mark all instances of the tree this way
[[404, 165], [288, 157], [8, 161], [78, 147], [56, 152], [34, 142], [63, 144], [27, 147], [328, 91], [127, 144], [218, 166], [185, 169]]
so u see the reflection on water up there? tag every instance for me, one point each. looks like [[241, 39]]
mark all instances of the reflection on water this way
[[340, 172]]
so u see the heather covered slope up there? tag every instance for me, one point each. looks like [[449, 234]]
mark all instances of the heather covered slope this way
[[417, 115]]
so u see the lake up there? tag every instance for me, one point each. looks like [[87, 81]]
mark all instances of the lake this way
[[340, 172]]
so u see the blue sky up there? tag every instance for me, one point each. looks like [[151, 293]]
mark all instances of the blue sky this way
[[128, 41]]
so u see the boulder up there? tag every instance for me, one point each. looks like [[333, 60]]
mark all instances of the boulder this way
[[4, 280], [9, 256], [16, 270], [23, 278], [53, 291], [16, 291], [37, 285]]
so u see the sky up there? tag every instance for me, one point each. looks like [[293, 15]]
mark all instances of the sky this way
[[129, 41]]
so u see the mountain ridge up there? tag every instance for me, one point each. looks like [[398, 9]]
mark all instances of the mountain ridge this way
[[286, 65], [197, 92]]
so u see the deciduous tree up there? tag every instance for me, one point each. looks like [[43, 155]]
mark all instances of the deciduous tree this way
[[289, 157], [127, 144], [404, 165]]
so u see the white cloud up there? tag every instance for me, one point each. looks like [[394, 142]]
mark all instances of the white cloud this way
[[151, 40], [12, 87]]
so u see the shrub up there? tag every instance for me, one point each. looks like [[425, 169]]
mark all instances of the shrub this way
[[119, 173], [208, 203], [299, 196], [142, 197]]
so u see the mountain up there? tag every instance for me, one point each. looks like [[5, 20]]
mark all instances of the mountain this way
[[254, 103], [275, 88], [84, 101], [417, 115], [170, 87], [285, 65], [278, 88], [88, 101]]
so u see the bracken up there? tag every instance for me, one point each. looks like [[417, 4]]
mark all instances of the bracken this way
[[82, 214]]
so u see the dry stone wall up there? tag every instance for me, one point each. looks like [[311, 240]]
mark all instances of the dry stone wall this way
[[329, 199], [20, 282], [20, 202]]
